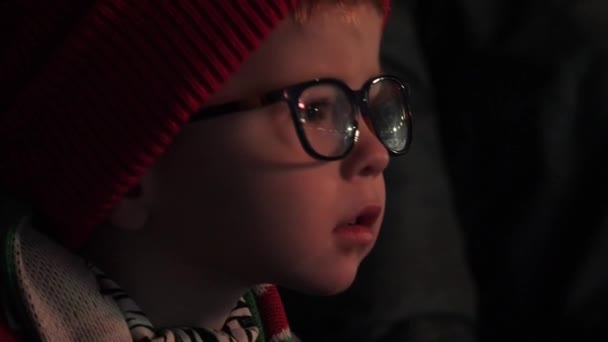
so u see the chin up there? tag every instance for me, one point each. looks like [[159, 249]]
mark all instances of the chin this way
[[328, 282]]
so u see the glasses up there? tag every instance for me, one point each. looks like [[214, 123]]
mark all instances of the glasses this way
[[325, 114]]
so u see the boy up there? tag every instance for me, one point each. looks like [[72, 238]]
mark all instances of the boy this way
[[194, 150]]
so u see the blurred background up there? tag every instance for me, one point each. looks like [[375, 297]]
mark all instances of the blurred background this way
[[496, 226]]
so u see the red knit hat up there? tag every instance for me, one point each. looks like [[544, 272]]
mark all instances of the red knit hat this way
[[93, 92]]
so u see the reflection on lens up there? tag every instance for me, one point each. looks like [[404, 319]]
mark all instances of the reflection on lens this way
[[387, 100], [327, 118]]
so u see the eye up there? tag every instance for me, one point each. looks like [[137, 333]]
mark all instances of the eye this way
[[325, 108], [317, 111]]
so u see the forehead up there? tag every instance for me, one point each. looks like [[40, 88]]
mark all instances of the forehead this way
[[307, 9], [319, 47]]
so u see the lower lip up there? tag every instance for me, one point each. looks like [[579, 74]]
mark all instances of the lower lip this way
[[354, 234]]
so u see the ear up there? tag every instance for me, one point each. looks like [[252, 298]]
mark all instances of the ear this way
[[133, 210]]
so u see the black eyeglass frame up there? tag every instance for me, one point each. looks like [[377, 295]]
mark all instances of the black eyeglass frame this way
[[291, 95]]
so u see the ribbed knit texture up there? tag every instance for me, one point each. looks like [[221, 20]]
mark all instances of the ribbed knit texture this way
[[272, 313], [93, 92]]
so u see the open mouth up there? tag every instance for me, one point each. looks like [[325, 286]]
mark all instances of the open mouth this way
[[365, 218], [359, 231]]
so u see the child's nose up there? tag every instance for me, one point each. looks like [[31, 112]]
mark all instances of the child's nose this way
[[369, 157]]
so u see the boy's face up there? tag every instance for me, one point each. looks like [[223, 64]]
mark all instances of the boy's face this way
[[238, 196]]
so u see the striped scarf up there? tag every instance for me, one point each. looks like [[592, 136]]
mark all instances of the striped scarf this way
[[259, 311]]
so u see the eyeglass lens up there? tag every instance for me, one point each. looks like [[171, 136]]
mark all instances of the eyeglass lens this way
[[389, 114], [328, 118]]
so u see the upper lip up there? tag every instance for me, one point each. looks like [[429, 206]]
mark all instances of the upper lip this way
[[367, 216]]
